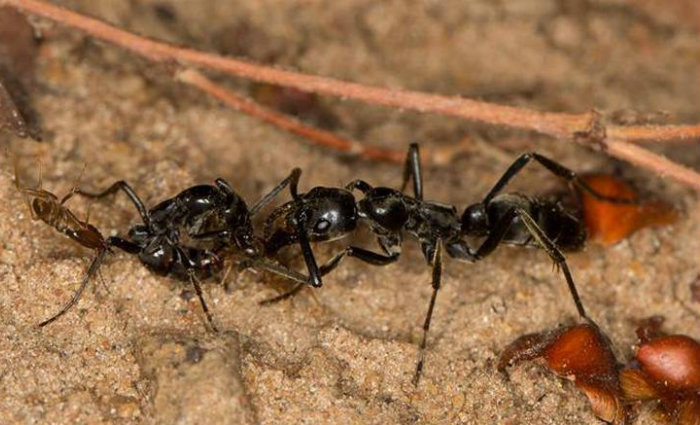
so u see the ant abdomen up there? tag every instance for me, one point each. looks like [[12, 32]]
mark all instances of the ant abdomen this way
[[564, 229]]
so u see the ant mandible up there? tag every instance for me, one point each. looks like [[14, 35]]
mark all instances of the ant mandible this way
[[329, 213]]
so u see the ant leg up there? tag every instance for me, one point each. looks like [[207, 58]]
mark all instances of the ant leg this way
[[198, 289], [437, 275], [292, 179], [283, 296], [499, 231], [94, 266], [123, 244], [412, 167], [302, 237], [273, 242], [554, 168], [123, 186], [369, 257], [360, 185], [306, 252], [277, 269]]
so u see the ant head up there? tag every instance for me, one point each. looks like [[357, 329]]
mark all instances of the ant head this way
[[475, 220], [385, 207], [329, 213]]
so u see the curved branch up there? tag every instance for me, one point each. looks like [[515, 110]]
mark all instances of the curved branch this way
[[654, 132], [554, 124], [651, 161], [585, 128]]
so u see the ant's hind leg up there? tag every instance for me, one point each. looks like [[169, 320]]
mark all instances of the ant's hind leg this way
[[554, 168], [556, 255], [92, 270], [501, 228], [412, 167], [123, 186]]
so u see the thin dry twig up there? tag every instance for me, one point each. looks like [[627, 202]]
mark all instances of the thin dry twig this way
[[657, 133], [315, 135], [649, 160], [585, 128]]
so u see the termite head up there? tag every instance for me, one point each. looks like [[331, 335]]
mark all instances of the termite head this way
[[43, 208]]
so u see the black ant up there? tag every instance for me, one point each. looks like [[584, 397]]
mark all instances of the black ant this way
[[329, 213], [46, 206], [215, 216]]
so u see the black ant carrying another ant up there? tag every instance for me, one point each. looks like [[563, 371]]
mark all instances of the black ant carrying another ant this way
[[215, 216], [324, 213]]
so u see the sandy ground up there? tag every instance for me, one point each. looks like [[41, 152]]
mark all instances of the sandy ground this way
[[135, 349]]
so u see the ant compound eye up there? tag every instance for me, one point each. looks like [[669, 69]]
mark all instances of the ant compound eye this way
[[322, 226]]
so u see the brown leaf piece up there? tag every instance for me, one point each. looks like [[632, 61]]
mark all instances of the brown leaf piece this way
[[582, 354], [609, 223]]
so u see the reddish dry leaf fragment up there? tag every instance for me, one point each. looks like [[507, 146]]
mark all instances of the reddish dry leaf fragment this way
[[667, 370], [580, 353], [608, 222], [673, 361]]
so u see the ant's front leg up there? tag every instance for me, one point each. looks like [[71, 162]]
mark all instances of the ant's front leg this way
[[292, 180], [306, 251], [301, 220], [123, 186], [361, 254], [369, 257], [123, 244]]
